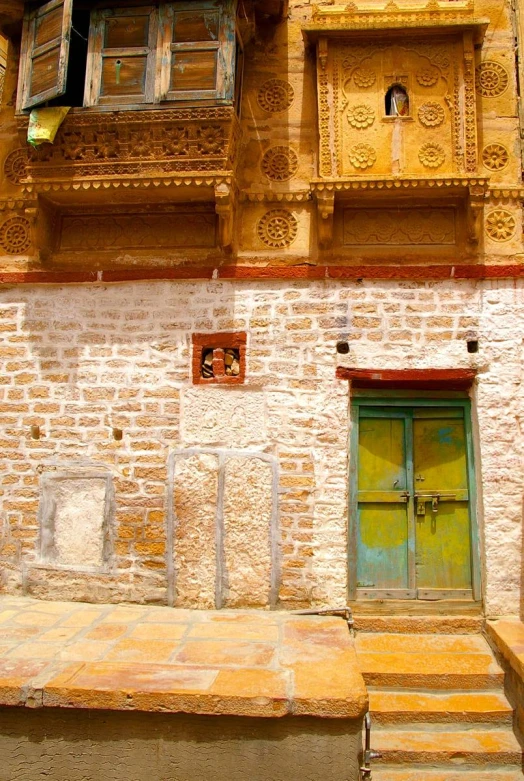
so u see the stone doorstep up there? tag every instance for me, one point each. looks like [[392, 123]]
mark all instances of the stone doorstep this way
[[238, 663]]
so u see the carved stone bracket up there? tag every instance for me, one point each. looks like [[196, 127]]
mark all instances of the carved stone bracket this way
[[225, 207], [325, 211], [475, 211]]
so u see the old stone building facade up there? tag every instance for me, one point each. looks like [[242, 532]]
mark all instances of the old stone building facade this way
[[214, 273]]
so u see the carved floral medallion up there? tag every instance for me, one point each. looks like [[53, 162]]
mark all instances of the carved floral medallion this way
[[15, 165], [15, 235], [495, 157], [431, 114], [500, 225], [279, 163], [491, 79], [364, 77], [427, 77], [361, 116], [362, 156], [275, 95], [431, 155], [277, 228]]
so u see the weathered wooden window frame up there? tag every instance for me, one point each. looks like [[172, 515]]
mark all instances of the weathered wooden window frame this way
[[159, 52], [30, 52], [97, 52]]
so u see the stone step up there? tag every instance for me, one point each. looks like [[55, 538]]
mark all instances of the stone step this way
[[448, 624], [421, 644], [427, 661], [425, 774], [447, 747], [397, 707]]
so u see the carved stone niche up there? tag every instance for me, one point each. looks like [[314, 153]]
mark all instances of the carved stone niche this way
[[396, 106], [176, 155]]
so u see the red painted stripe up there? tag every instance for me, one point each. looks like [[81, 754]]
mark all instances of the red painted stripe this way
[[417, 273]]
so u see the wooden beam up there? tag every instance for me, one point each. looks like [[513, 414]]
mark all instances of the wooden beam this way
[[418, 379]]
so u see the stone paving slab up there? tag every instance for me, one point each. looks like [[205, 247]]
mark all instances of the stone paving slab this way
[[131, 657]]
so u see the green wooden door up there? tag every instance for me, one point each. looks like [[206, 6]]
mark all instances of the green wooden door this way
[[413, 520]]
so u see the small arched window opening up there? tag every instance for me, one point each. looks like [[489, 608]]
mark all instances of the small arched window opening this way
[[397, 102]]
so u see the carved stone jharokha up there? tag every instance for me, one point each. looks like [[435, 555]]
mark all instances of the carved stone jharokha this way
[[176, 154], [427, 153]]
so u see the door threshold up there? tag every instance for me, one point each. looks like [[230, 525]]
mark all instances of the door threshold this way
[[405, 607]]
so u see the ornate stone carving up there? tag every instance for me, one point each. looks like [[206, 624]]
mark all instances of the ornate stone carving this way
[[136, 145], [404, 227], [431, 114], [360, 116], [495, 157], [491, 79], [470, 121], [392, 15], [431, 155], [362, 156], [275, 95], [427, 77], [277, 228], [279, 163], [15, 165], [364, 77], [167, 228], [500, 225], [15, 235]]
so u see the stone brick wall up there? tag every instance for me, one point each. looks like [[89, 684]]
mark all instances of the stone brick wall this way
[[78, 361]]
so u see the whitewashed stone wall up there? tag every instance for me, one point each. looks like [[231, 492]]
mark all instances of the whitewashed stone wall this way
[[78, 361]]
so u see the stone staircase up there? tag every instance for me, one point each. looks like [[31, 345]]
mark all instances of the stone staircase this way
[[438, 706]]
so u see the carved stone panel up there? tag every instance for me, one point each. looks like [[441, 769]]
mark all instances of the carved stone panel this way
[[359, 135], [399, 227], [137, 230]]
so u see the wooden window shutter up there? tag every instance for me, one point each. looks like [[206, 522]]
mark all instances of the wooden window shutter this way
[[198, 51], [121, 56], [45, 52]]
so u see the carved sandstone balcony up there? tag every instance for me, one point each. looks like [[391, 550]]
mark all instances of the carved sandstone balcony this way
[[138, 157]]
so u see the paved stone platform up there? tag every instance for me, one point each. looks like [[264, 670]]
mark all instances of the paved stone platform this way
[[129, 657]]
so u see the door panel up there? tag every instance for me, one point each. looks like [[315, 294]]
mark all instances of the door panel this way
[[443, 544], [382, 516], [413, 524]]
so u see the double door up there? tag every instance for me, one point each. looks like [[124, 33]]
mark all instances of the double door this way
[[413, 504]]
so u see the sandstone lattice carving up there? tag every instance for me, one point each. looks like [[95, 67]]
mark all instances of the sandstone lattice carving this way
[[275, 95], [361, 116], [15, 165], [362, 156], [277, 228], [500, 225], [279, 163], [15, 235], [495, 157], [431, 155], [431, 114], [491, 79]]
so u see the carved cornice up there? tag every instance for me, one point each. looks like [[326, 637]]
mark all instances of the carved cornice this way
[[136, 149], [191, 179], [271, 197], [396, 183], [340, 19]]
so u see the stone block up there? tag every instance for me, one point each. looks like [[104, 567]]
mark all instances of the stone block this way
[[75, 511]]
